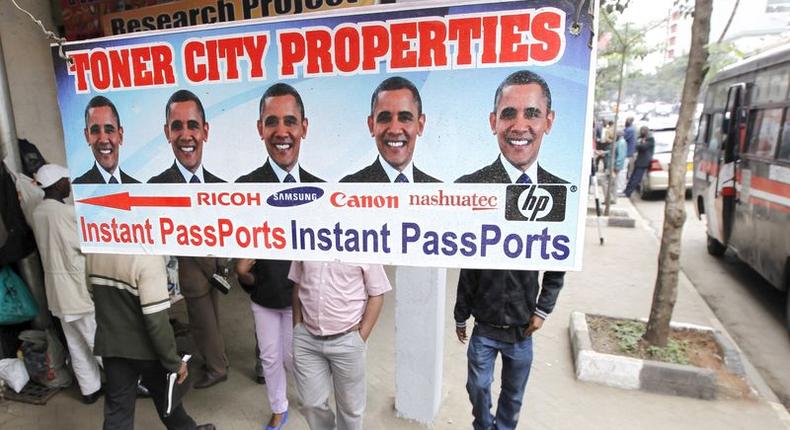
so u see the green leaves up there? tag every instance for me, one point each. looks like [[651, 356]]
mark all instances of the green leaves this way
[[629, 334], [610, 6]]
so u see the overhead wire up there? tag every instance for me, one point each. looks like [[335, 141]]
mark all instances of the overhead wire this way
[[51, 35]]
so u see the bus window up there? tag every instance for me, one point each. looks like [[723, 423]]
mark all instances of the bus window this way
[[709, 96], [760, 91], [765, 132], [779, 78], [715, 132], [720, 95], [770, 85], [702, 130], [784, 150]]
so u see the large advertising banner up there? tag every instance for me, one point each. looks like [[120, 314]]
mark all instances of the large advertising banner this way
[[429, 134]]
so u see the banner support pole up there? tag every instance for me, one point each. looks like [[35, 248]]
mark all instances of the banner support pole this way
[[419, 341]]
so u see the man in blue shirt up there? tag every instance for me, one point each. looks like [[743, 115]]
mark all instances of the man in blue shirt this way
[[630, 142]]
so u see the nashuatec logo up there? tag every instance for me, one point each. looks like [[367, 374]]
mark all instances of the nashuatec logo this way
[[544, 203]]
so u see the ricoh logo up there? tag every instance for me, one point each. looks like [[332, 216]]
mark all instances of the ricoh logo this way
[[544, 203], [295, 196]]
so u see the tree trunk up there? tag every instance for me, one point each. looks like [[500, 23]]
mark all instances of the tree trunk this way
[[665, 291]]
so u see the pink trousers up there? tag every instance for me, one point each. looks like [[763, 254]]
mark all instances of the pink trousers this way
[[274, 328]]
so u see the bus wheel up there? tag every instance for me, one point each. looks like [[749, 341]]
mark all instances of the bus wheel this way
[[715, 248]]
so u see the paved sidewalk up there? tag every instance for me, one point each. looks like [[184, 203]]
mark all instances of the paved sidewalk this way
[[617, 280]]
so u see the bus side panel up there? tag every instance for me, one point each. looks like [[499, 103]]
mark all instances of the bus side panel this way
[[770, 201], [706, 174]]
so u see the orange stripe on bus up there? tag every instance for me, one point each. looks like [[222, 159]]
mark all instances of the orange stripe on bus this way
[[771, 186], [768, 204]]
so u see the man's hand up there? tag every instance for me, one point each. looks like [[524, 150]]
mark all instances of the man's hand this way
[[535, 323], [182, 372], [461, 333], [244, 265], [243, 268], [364, 334]]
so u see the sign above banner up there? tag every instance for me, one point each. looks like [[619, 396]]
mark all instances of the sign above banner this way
[[185, 13], [449, 135]]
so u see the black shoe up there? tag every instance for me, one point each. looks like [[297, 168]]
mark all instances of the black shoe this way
[[261, 380], [209, 380], [142, 392], [208, 426], [91, 398]]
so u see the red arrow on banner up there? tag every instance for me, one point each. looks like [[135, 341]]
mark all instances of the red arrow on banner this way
[[125, 202]]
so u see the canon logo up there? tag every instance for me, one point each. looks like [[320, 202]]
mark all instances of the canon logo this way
[[340, 199]]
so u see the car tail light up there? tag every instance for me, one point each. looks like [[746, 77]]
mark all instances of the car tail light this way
[[655, 165]]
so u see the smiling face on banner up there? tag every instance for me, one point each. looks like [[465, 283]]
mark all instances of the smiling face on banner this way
[[104, 136], [519, 123], [282, 129], [186, 132], [395, 123]]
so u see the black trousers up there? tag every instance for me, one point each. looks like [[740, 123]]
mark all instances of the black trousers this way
[[121, 394], [634, 180]]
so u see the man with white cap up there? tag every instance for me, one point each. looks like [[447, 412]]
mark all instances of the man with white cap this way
[[64, 276]]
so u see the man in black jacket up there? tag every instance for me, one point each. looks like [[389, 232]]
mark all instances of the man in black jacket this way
[[644, 153], [508, 305]]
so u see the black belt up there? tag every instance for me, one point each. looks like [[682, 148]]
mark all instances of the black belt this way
[[353, 328], [500, 327]]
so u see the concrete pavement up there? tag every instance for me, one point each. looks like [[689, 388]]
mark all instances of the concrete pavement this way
[[617, 280]]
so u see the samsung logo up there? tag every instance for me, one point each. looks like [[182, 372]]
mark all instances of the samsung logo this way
[[295, 196]]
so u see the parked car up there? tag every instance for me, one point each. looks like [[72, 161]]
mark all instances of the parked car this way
[[656, 179]]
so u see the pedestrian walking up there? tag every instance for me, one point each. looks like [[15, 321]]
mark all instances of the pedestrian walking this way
[[55, 229], [335, 308], [644, 154]]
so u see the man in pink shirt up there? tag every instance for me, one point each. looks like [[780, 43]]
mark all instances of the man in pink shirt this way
[[335, 308]]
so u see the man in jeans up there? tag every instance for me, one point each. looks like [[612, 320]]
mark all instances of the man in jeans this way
[[508, 306], [335, 307]]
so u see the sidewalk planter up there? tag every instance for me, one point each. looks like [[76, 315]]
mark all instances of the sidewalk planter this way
[[648, 375]]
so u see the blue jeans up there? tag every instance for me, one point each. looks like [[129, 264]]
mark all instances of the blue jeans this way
[[516, 363]]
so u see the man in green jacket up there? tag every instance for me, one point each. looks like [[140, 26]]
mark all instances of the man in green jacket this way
[[135, 339]]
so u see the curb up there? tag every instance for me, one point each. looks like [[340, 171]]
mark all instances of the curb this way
[[753, 375], [648, 375], [617, 218]]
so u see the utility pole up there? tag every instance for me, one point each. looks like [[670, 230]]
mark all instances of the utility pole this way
[[30, 266], [610, 179]]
